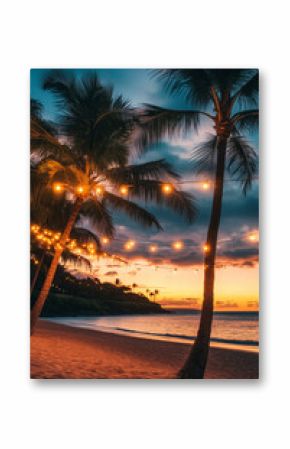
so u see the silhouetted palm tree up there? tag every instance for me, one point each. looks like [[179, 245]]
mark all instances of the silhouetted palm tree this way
[[93, 170], [228, 99], [156, 292]]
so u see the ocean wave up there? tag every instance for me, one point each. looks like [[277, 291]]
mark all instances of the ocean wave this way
[[189, 337]]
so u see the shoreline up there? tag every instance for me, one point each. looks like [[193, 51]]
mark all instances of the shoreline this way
[[171, 338], [63, 352]]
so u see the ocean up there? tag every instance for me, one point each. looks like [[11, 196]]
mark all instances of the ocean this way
[[233, 330]]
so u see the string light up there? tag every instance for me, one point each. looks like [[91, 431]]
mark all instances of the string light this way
[[167, 189], [80, 190], [57, 187], [48, 238], [153, 248], [123, 190], [177, 245], [129, 245], [35, 228], [253, 238], [99, 190], [205, 185]]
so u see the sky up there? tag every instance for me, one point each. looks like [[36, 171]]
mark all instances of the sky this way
[[178, 275]]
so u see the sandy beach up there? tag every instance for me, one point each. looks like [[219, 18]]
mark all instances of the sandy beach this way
[[62, 352]]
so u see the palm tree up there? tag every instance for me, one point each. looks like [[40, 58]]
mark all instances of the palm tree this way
[[43, 253], [93, 173], [156, 292], [228, 99]]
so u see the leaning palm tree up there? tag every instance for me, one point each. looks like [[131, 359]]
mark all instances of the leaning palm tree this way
[[228, 99], [94, 176], [43, 252]]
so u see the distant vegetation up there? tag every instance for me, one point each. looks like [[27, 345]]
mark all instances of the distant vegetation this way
[[70, 296]]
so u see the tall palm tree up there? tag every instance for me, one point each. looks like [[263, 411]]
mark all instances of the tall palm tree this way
[[228, 99], [93, 173]]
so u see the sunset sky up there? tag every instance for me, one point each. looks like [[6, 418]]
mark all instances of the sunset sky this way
[[178, 275]]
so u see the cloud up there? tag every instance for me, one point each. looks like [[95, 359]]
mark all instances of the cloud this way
[[226, 304]]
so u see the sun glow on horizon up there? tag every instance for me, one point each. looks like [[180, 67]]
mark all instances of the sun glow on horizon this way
[[236, 287]]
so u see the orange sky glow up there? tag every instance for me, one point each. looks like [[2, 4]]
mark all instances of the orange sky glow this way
[[236, 287]]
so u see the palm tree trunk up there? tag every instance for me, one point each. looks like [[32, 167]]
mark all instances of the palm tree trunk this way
[[195, 365], [39, 303], [37, 271]]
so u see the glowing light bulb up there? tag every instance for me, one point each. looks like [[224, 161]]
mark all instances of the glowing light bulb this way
[[99, 190], [34, 228], [206, 248], [205, 185], [123, 190], [167, 189], [129, 245], [57, 187], [105, 240], [80, 190], [153, 248], [177, 245], [253, 238]]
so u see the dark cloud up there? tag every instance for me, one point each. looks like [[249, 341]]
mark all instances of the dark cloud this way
[[111, 273], [226, 304], [241, 253]]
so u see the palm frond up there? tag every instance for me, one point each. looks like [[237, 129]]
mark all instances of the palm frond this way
[[58, 172], [157, 123], [204, 155], [47, 209], [247, 120], [242, 161], [247, 95], [132, 174], [132, 210], [193, 84], [83, 235], [229, 80], [99, 217], [63, 85], [76, 260], [179, 201]]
